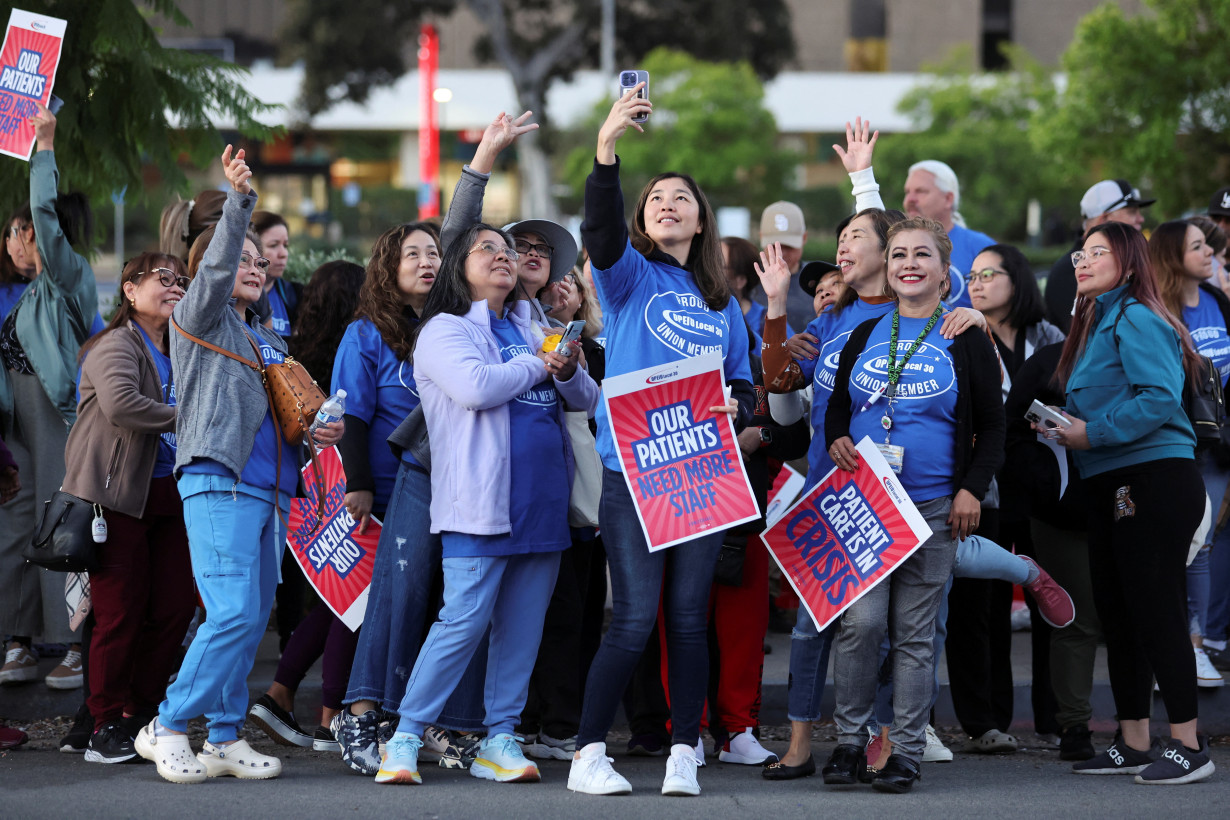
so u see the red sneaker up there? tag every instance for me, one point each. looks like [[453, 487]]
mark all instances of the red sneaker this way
[[12, 738], [1054, 603]]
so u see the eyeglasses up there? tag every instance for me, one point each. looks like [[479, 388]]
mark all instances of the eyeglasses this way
[[543, 251], [984, 276], [168, 279], [246, 261], [494, 250], [1081, 256]]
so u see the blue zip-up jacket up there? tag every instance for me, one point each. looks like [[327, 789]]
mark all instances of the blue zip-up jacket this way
[[1128, 387]]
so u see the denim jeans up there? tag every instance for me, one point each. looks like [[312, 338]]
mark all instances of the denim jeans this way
[[680, 577], [402, 604], [809, 665], [1201, 585], [906, 606], [979, 557], [508, 593]]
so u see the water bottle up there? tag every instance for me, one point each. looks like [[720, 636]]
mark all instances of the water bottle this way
[[332, 410]]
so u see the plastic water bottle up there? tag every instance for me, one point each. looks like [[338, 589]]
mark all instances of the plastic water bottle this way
[[332, 410]]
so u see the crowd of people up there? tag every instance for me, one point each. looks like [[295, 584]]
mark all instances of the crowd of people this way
[[485, 642]]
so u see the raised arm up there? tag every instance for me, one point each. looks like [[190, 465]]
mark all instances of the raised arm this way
[[64, 265], [466, 206], [604, 231], [856, 157]]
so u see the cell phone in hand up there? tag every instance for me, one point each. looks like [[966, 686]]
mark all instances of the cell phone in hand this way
[[627, 80], [571, 333], [1044, 416]]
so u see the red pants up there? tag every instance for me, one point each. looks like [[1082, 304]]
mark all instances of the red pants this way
[[143, 600], [739, 616]]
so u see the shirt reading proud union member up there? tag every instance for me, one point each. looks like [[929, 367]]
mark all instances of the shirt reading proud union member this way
[[1208, 330], [924, 412]]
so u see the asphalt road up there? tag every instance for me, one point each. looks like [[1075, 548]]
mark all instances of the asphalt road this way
[[1033, 784]]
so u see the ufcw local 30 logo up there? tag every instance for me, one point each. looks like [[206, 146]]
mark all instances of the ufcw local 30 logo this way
[[685, 324]]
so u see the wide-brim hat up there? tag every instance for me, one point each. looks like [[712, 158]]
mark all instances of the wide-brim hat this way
[[563, 246]]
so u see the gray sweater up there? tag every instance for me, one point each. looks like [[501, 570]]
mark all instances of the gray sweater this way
[[221, 402]]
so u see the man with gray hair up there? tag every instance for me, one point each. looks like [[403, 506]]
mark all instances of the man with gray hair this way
[[932, 190]]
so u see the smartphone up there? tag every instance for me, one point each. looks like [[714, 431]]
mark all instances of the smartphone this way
[[54, 104], [570, 335], [628, 79], [1042, 415]]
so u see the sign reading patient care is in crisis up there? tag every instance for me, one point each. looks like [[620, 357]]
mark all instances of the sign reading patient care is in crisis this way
[[28, 62], [846, 535], [336, 558], [681, 461]]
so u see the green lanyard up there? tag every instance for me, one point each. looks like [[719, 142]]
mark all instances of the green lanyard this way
[[894, 369]]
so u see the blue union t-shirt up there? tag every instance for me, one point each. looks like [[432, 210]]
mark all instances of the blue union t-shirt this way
[[164, 464], [1208, 330], [538, 506], [279, 319], [924, 411]]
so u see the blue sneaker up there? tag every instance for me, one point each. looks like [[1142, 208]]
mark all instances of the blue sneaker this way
[[501, 759], [401, 760]]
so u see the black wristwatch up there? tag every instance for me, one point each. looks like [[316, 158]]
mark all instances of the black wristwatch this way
[[766, 436]]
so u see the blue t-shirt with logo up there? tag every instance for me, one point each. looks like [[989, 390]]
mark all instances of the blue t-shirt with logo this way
[[1208, 329], [831, 330], [380, 390], [654, 314], [538, 506], [279, 319], [924, 412], [966, 245], [164, 464], [261, 470]]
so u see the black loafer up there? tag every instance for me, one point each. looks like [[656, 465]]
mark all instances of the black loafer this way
[[897, 776], [845, 766], [780, 771]]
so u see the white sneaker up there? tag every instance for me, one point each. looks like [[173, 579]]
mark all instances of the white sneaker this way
[[681, 772], [700, 751], [935, 751], [591, 773], [746, 749], [1207, 676]]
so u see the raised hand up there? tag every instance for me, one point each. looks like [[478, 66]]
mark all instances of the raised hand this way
[[502, 133], [44, 123], [619, 121], [774, 276], [237, 171], [856, 156]]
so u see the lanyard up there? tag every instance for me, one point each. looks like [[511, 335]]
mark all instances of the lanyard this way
[[894, 369]]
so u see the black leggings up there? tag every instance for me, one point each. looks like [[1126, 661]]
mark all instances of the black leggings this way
[[1141, 523]]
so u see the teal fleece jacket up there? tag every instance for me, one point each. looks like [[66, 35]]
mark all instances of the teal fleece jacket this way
[[1128, 387]]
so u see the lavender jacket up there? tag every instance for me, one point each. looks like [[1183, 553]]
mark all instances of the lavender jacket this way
[[465, 387]]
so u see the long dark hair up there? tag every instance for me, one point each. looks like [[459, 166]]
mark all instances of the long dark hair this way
[[380, 300], [325, 311], [133, 270], [1026, 306], [451, 293], [1167, 247], [881, 221], [1130, 252], [705, 253], [9, 272]]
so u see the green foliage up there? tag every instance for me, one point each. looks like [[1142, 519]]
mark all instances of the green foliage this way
[[130, 103], [1148, 99], [303, 262], [709, 121], [980, 125]]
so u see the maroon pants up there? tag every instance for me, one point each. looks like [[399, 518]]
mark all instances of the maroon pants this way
[[143, 600]]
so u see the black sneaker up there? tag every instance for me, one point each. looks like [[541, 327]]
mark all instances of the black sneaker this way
[[454, 750], [1076, 743], [78, 737], [278, 723], [324, 740], [357, 736], [111, 744], [646, 745], [1177, 765], [1219, 657], [1119, 758]]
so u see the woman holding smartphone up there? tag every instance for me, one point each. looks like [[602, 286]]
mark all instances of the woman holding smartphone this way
[[671, 264]]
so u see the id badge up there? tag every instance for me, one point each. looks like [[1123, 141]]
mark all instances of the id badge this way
[[894, 454]]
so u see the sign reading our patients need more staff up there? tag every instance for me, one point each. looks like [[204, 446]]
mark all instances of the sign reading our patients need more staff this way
[[681, 461], [28, 63]]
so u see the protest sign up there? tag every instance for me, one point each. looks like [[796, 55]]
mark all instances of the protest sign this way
[[28, 63], [846, 535], [681, 461], [334, 556]]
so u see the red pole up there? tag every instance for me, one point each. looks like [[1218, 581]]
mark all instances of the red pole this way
[[429, 132]]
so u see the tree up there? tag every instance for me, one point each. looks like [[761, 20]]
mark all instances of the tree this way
[[129, 102], [708, 121], [1148, 99], [537, 42], [979, 124]]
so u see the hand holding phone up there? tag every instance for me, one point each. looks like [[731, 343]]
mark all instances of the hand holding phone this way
[[1043, 416], [628, 80], [571, 334]]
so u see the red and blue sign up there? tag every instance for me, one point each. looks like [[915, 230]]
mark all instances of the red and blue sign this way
[[336, 558], [28, 63], [681, 461], [846, 535]]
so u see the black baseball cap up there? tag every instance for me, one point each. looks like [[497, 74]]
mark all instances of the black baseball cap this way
[[1219, 205], [811, 274]]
